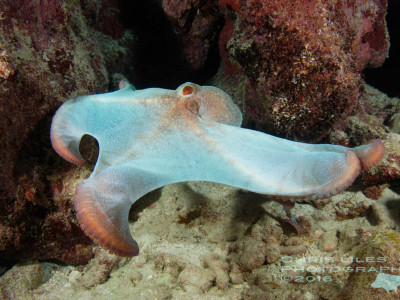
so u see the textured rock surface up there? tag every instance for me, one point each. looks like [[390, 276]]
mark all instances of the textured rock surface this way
[[303, 60], [389, 169], [19, 280], [380, 252], [196, 24], [214, 254], [374, 112], [49, 53]]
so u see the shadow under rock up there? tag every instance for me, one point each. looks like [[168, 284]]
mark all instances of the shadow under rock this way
[[194, 202], [393, 207], [33, 211], [143, 202], [248, 210], [159, 56]]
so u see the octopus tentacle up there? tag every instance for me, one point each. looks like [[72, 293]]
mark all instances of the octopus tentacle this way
[[370, 153], [107, 226]]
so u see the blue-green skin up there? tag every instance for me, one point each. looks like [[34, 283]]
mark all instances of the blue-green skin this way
[[153, 137]]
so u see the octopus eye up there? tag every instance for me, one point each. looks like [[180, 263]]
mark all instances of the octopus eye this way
[[187, 90]]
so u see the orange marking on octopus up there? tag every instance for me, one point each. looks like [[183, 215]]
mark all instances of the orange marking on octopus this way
[[98, 226], [187, 90], [372, 155], [63, 151]]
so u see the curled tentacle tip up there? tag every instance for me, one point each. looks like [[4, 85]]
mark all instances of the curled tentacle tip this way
[[99, 227], [370, 153], [62, 150]]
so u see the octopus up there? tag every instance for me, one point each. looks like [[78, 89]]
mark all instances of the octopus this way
[[153, 137]]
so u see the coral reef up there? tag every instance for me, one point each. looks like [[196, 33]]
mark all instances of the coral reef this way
[[374, 112], [389, 168], [232, 245], [303, 61], [293, 67], [108, 19], [196, 25], [49, 53]]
